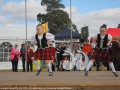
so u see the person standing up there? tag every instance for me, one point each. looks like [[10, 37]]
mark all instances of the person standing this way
[[30, 54], [42, 40], [62, 48], [22, 50], [102, 40], [58, 56], [15, 57], [115, 52], [53, 51]]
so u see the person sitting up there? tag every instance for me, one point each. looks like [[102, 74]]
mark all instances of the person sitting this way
[[64, 63], [79, 62]]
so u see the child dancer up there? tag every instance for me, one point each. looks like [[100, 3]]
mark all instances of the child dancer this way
[[100, 53], [41, 40]]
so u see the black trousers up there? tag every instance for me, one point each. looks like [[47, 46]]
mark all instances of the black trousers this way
[[14, 66], [98, 65], [116, 64], [23, 63], [58, 60], [29, 64]]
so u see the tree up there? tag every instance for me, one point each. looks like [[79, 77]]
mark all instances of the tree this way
[[55, 16], [119, 25]]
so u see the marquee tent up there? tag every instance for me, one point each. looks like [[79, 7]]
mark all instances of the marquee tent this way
[[113, 31], [65, 33]]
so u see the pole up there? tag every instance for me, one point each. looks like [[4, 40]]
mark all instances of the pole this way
[[71, 23], [26, 32]]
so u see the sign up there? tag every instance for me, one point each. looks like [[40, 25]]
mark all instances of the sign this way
[[84, 32]]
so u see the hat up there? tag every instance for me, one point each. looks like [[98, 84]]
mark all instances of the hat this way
[[23, 43], [87, 40]]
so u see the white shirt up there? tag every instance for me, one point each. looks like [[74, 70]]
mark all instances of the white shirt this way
[[78, 56], [49, 37], [109, 37]]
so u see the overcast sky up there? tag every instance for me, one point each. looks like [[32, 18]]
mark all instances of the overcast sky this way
[[92, 13]]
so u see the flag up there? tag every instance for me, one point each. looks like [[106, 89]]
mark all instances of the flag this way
[[45, 27], [84, 32]]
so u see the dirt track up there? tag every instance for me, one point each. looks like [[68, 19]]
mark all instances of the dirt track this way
[[66, 79]]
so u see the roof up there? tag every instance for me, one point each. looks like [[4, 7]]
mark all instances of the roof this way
[[113, 31], [65, 33]]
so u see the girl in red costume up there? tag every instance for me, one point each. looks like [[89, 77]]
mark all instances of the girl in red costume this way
[[42, 40]]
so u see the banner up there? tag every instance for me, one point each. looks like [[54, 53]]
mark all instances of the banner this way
[[84, 32], [40, 63], [45, 27]]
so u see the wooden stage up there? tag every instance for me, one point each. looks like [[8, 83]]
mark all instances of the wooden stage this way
[[61, 80]]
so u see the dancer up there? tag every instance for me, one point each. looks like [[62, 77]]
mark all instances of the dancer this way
[[102, 41], [41, 40]]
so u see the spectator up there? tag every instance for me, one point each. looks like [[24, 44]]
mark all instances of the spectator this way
[[78, 57], [53, 51], [15, 57], [65, 61], [22, 50], [29, 61], [115, 51], [62, 48], [75, 46], [58, 55], [87, 48], [68, 46]]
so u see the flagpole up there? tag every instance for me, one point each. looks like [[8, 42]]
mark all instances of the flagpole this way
[[71, 23], [26, 32]]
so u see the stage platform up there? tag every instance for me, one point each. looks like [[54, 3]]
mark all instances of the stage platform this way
[[61, 80]]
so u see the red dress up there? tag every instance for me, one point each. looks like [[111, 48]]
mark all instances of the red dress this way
[[29, 55]]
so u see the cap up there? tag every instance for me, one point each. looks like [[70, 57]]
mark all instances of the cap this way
[[87, 40]]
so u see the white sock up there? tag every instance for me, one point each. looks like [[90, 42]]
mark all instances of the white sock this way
[[49, 66], [36, 63], [89, 65], [112, 67]]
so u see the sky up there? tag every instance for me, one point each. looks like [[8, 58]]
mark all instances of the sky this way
[[92, 13]]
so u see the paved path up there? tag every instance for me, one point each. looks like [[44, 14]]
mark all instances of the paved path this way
[[66, 78]]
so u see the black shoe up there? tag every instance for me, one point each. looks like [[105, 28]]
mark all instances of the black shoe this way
[[38, 72], [50, 73], [115, 74], [86, 73]]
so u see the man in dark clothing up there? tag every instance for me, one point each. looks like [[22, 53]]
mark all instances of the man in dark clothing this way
[[62, 48], [58, 55], [22, 50]]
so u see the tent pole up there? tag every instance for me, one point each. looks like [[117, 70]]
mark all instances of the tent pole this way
[[71, 23]]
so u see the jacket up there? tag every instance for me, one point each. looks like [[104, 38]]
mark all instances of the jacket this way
[[115, 50], [15, 52], [29, 55], [87, 48]]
